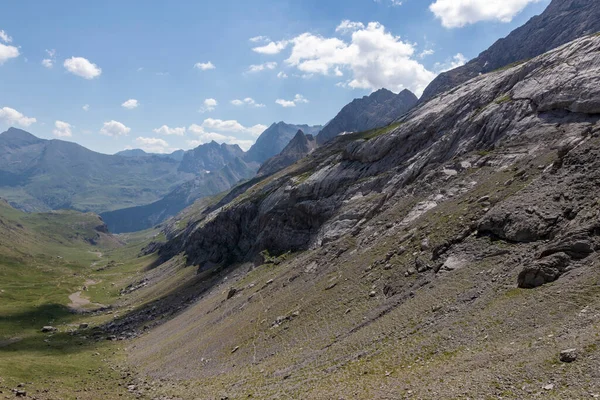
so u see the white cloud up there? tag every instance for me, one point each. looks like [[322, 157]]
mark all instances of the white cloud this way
[[272, 47], [130, 104], [13, 117], [49, 62], [249, 101], [262, 67], [114, 128], [208, 105], [204, 66], [207, 137], [165, 130], [62, 129], [282, 75], [153, 145], [458, 13], [4, 37], [349, 26], [86, 107], [374, 58], [82, 67], [298, 99], [8, 52], [457, 61], [258, 39], [232, 126], [426, 52]]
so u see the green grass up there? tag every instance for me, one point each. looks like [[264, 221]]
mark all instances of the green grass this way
[[43, 259], [504, 99]]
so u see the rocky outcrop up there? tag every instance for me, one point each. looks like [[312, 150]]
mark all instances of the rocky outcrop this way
[[378, 109], [299, 147], [561, 22], [548, 102], [272, 141]]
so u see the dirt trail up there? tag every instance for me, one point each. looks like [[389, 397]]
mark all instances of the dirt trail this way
[[80, 303]]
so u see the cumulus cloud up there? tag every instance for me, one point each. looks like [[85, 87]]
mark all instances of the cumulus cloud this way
[[282, 75], [130, 104], [82, 67], [349, 26], [298, 99], [272, 47], [153, 145], [5, 38], [207, 137], [457, 61], [13, 117], [372, 57], [62, 129], [208, 105], [8, 52], [204, 66], [86, 107], [232, 126], [248, 101], [114, 128], [262, 67], [458, 13], [165, 130]]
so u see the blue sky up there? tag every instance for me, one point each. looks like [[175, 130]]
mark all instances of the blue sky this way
[[163, 75]]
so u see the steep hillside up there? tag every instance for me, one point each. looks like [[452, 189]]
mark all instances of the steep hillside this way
[[206, 184], [378, 109], [399, 262], [299, 147], [209, 157], [272, 141], [561, 22], [39, 175]]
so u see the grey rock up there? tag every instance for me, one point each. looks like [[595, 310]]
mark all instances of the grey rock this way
[[49, 329], [378, 109], [543, 271], [299, 147], [568, 356], [562, 22]]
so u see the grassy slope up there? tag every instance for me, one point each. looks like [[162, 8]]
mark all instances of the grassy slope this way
[[468, 333], [43, 259]]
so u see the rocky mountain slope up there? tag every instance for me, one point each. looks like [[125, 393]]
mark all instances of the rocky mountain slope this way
[[38, 174], [378, 109], [272, 141], [299, 147], [209, 157], [206, 184], [561, 22], [400, 262]]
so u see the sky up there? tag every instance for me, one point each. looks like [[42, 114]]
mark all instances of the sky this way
[[166, 75]]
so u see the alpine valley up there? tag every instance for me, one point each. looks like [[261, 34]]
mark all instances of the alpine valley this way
[[442, 247]]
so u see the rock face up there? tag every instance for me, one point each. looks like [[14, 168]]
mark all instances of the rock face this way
[[561, 22], [378, 109], [299, 147], [209, 157], [272, 141], [550, 102]]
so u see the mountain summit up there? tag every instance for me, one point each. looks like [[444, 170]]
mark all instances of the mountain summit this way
[[561, 22], [378, 109]]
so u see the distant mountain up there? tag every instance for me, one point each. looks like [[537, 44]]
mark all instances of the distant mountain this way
[[209, 157], [561, 22], [378, 109], [176, 155], [274, 139], [40, 175], [300, 146], [208, 184]]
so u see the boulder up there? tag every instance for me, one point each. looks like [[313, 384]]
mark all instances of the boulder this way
[[49, 329], [568, 356], [543, 271]]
